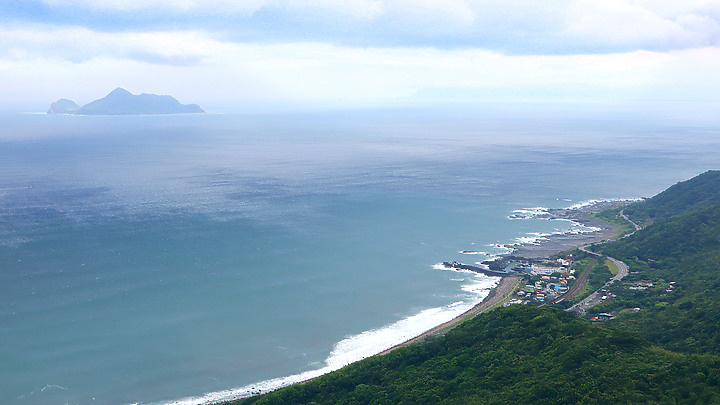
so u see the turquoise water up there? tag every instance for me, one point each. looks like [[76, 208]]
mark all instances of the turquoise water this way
[[154, 259]]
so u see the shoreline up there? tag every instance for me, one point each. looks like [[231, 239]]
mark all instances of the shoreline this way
[[547, 247], [583, 215], [497, 294], [551, 245]]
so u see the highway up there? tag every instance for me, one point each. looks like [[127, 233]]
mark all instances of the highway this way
[[637, 227], [596, 298]]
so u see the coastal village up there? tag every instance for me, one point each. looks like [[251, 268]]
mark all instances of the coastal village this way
[[549, 280], [544, 281], [536, 274], [553, 280]]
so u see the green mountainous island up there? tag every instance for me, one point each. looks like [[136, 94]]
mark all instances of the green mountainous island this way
[[122, 102], [654, 337]]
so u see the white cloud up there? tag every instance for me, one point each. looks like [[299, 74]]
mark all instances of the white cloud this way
[[172, 6], [353, 9], [446, 16], [514, 26], [79, 44], [672, 9], [619, 22], [47, 62]]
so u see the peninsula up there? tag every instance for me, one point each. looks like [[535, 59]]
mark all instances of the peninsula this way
[[122, 102]]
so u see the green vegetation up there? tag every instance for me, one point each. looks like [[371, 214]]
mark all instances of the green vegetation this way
[[613, 217], [518, 354], [599, 275], [663, 347], [684, 250], [687, 196], [611, 266]]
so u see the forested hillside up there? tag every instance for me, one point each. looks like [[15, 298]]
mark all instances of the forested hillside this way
[[519, 354], [662, 347], [685, 251], [687, 196]]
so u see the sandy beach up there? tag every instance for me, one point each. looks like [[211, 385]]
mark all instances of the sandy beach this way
[[505, 287]]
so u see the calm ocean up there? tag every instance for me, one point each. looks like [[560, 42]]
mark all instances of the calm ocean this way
[[158, 259]]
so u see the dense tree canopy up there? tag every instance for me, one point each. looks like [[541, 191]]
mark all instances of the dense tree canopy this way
[[683, 250], [518, 354], [687, 196]]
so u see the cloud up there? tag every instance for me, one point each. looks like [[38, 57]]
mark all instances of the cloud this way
[[77, 44], [617, 23], [510, 26], [174, 6], [352, 8], [52, 62], [346, 51]]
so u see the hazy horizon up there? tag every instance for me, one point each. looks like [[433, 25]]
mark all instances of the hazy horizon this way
[[362, 53], [349, 148]]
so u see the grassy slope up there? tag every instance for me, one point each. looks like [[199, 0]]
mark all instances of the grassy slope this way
[[613, 217], [611, 267]]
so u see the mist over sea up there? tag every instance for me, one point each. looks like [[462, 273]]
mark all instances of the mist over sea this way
[[148, 259]]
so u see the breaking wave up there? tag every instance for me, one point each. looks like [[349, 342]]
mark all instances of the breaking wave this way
[[365, 344], [357, 347]]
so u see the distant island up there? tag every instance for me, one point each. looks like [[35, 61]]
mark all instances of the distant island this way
[[122, 102]]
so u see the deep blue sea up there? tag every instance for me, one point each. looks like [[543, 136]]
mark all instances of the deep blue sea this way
[[187, 258]]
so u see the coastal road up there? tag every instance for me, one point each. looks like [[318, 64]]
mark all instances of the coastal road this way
[[596, 298], [637, 227], [622, 270], [622, 267]]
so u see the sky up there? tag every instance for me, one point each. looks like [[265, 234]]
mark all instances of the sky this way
[[360, 52]]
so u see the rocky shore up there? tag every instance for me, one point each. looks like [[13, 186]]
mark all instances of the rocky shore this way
[[583, 215], [547, 247]]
